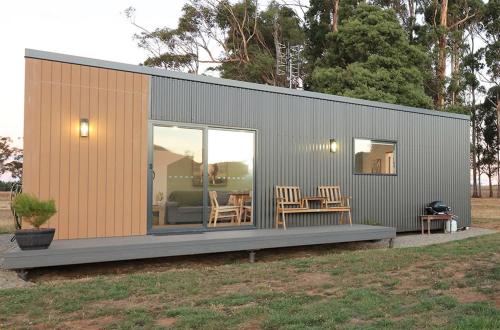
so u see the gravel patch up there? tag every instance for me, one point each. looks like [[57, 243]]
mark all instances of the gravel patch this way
[[415, 240], [8, 278]]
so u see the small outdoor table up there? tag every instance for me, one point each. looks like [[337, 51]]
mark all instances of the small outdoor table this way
[[239, 199], [321, 200], [433, 217]]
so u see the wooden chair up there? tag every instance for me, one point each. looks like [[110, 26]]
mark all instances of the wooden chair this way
[[334, 200], [288, 200], [221, 212], [247, 209]]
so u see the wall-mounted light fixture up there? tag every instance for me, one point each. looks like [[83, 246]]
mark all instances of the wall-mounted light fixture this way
[[333, 145], [84, 127]]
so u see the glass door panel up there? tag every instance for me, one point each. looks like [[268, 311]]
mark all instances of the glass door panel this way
[[230, 177], [177, 197]]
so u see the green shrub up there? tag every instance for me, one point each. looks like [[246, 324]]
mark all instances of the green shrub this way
[[5, 186], [33, 210]]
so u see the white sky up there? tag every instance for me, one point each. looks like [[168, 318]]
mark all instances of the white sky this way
[[91, 28]]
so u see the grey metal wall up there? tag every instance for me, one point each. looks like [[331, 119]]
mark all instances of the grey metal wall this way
[[292, 148]]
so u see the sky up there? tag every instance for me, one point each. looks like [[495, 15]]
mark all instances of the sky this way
[[91, 28]]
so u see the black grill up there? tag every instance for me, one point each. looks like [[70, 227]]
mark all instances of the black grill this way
[[437, 207]]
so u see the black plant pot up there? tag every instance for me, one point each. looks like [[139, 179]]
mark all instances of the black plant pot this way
[[34, 239]]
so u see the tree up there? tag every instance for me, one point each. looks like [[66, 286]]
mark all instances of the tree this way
[[276, 26], [489, 136], [320, 19], [235, 38], [370, 58], [11, 159], [445, 22]]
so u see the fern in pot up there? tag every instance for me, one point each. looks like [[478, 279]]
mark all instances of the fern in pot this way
[[35, 212]]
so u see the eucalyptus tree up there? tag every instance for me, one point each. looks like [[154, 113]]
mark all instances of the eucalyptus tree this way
[[235, 38]]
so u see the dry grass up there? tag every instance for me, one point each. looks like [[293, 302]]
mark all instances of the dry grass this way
[[486, 213], [6, 221], [450, 286]]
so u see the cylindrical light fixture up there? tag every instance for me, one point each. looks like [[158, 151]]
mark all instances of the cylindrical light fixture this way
[[333, 145], [84, 127]]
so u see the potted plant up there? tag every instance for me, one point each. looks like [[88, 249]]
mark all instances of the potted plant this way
[[35, 212]]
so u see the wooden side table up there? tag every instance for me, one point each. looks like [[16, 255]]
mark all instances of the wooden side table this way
[[433, 217], [321, 200]]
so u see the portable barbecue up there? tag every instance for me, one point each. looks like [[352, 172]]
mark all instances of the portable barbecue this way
[[437, 207]]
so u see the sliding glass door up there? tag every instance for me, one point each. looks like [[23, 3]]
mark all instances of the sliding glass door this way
[[200, 177], [230, 177], [177, 177]]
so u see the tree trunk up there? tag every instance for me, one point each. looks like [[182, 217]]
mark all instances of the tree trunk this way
[[490, 174], [474, 154], [498, 132], [411, 17], [335, 15], [277, 49], [441, 67], [479, 190], [475, 192], [455, 74]]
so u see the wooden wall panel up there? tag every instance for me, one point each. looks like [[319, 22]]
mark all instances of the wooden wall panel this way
[[99, 183]]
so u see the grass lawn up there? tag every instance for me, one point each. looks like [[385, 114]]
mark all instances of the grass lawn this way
[[454, 286]]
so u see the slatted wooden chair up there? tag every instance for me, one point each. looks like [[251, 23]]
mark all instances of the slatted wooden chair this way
[[222, 212], [288, 200], [247, 208], [335, 201]]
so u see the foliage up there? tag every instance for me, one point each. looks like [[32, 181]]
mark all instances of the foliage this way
[[370, 58], [11, 158], [249, 39], [5, 185], [491, 23], [33, 210]]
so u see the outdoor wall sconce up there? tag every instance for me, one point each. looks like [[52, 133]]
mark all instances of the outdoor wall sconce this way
[[84, 127], [333, 145]]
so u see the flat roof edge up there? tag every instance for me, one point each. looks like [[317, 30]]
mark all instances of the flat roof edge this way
[[57, 57]]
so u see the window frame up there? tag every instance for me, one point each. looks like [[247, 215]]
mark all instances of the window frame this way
[[396, 152]]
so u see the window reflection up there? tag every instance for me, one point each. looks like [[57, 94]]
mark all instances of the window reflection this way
[[230, 176], [374, 157], [178, 169]]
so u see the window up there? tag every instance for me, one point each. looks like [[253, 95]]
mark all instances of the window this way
[[374, 157]]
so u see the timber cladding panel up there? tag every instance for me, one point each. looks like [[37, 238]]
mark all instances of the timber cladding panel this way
[[99, 182]]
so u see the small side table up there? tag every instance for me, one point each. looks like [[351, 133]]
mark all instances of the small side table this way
[[321, 200], [433, 217]]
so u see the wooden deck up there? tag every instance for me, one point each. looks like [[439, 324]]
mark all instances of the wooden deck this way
[[81, 251]]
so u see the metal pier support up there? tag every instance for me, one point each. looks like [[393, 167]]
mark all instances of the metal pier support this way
[[22, 274], [251, 256], [391, 243]]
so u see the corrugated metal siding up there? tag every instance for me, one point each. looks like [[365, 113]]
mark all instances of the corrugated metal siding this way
[[292, 149]]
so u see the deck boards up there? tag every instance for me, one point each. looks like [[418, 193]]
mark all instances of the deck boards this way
[[80, 251]]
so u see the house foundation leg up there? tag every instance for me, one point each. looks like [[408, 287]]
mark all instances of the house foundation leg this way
[[391, 243], [22, 274], [251, 256]]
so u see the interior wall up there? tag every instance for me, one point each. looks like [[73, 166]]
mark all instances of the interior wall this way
[[98, 182]]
